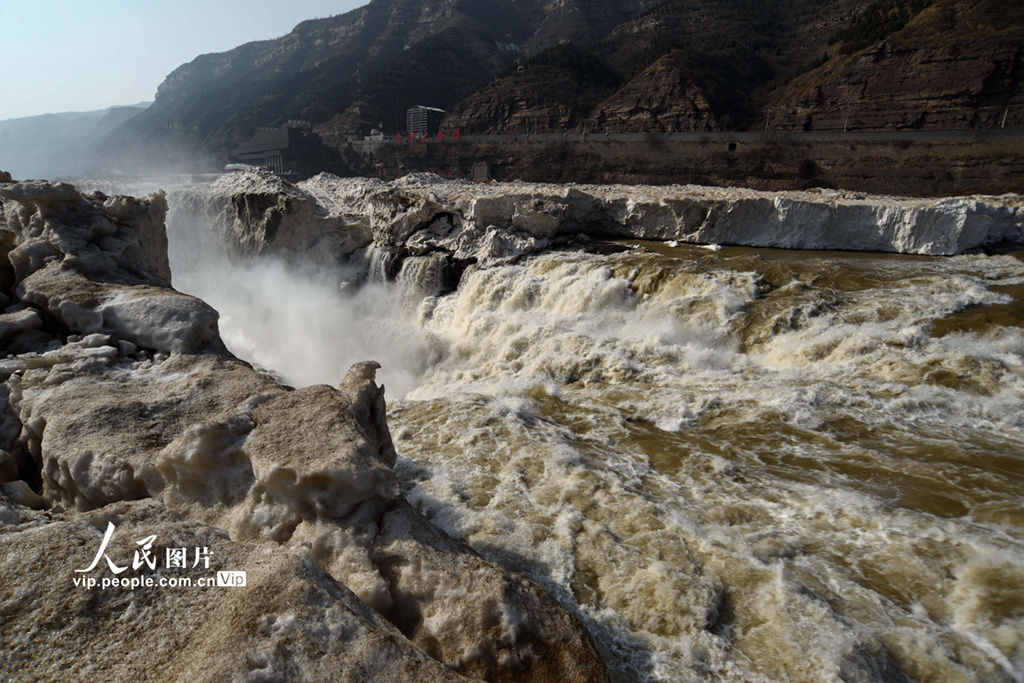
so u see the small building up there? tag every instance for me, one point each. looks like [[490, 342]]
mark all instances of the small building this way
[[421, 119], [291, 149], [481, 172]]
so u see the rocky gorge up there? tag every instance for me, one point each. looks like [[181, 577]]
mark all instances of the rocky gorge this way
[[121, 408], [538, 333], [695, 446]]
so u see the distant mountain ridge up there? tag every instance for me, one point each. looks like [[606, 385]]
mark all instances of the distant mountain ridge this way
[[351, 72], [602, 65], [48, 145], [701, 65]]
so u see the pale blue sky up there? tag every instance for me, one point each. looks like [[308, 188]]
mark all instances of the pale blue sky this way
[[79, 55]]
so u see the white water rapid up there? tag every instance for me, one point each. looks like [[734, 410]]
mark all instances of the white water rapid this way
[[742, 464]]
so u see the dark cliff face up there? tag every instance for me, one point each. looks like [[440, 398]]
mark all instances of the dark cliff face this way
[[953, 65], [665, 97], [553, 91], [604, 65], [357, 70], [681, 65], [730, 65]]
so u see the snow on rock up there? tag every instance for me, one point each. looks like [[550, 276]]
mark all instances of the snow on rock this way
[[18, 322], [291, 621], [119, 403]]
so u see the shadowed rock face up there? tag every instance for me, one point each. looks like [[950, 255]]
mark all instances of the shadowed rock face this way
[[731, 65], [119, 403], [955, 65]]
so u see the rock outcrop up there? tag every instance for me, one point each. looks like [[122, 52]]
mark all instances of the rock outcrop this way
[[549, 98], [663, 98], [125, 424], [257, 213], [292, 621], [542, 98]]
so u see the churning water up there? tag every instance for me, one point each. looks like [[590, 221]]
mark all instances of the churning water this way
[[741, 464]]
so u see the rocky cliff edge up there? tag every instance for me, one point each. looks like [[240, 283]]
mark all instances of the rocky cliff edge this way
[[128, 431]]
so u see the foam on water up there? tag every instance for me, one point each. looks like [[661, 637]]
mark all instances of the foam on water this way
[[739, 464], [734, 468]]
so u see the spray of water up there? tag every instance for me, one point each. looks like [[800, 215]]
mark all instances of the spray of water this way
[[307, 323]]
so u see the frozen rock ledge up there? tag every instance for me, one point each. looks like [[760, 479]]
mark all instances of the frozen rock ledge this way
[[119, 405], [254, 213]]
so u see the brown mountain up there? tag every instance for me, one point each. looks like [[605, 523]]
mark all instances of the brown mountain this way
[[665, 96], [602, 65], [727, 64], [352, 72], [954, 65]]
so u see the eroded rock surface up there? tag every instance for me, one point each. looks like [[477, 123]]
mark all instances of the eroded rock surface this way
[[292, 621], [257, 213], [119, 403]]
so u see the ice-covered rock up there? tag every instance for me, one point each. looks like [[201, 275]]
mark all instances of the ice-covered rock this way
[[256, 213], [99, 264], [18, 322], [126, 408], [495, 223], [291, 621]]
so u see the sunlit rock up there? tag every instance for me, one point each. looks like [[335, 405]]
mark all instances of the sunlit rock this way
[[257, 213], [75, 257], [292, 621]]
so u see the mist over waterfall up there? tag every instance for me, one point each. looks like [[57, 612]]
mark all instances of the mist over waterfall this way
[[307, 323], [517, 341]]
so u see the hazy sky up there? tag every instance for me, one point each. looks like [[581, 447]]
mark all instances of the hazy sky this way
[[79, 55]]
